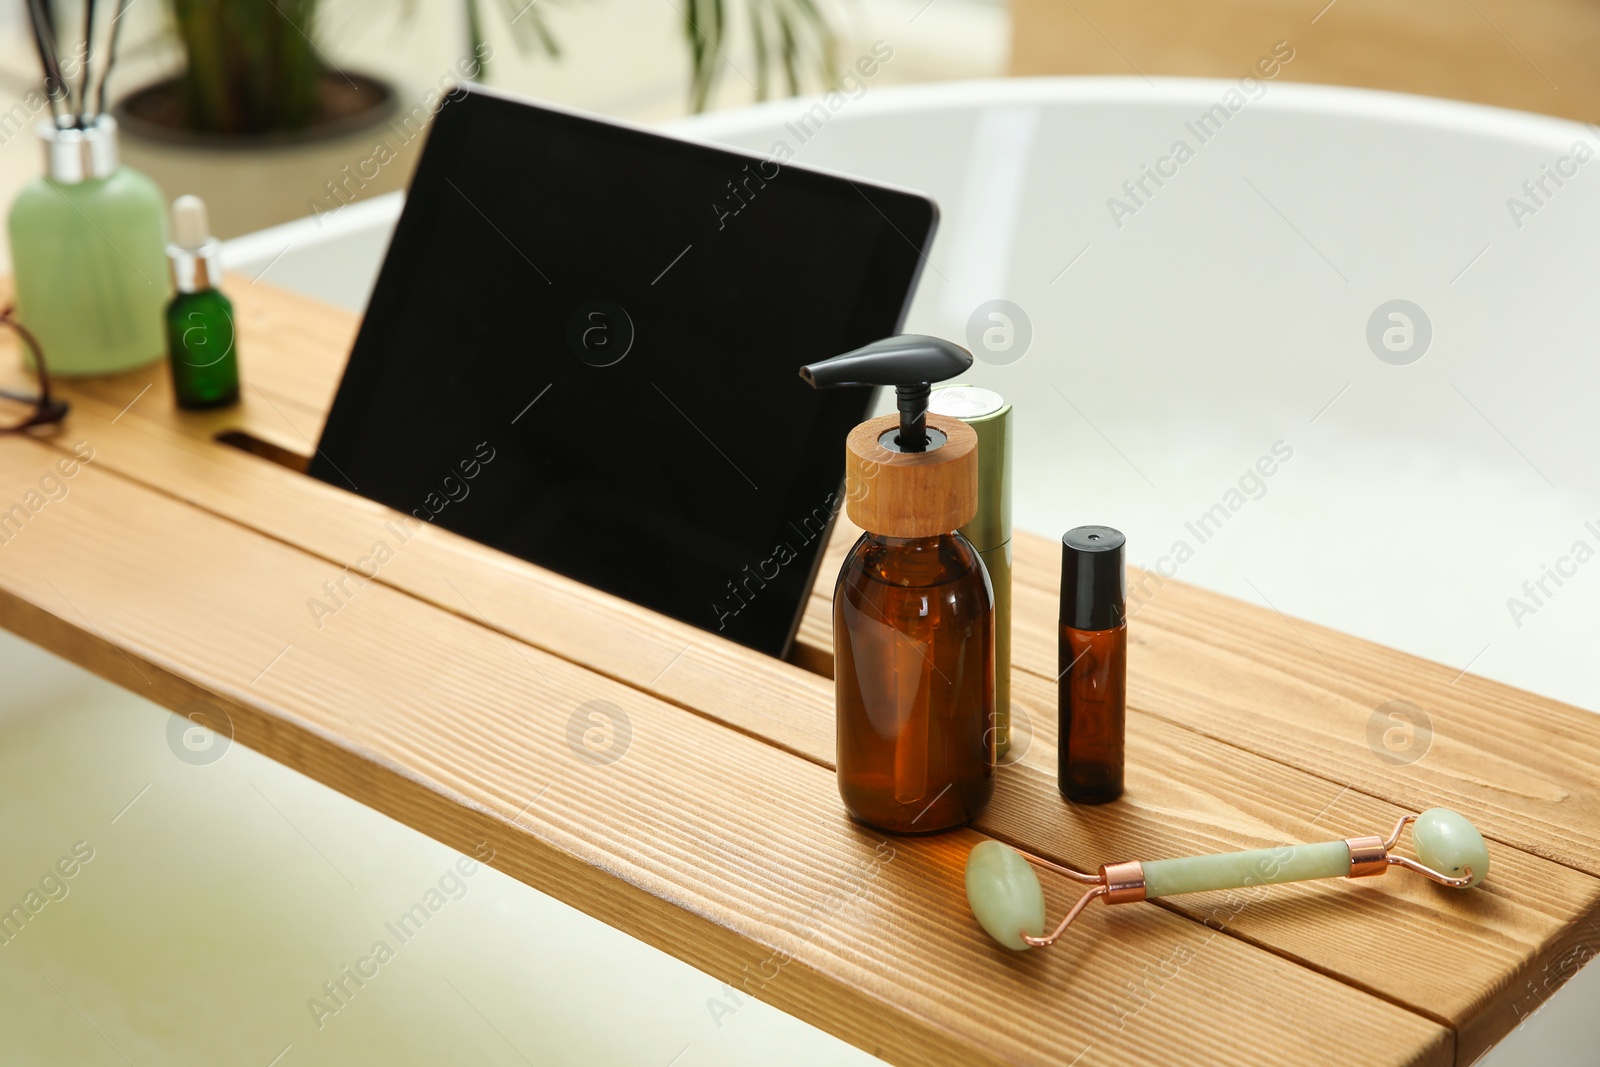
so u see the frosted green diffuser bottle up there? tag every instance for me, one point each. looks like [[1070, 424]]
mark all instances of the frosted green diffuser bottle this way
[[88, 247]]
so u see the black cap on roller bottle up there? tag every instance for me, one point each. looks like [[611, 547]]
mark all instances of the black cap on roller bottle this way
[[1093, 586]]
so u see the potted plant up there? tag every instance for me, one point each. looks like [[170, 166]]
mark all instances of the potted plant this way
[[256, 82], [252, 73]]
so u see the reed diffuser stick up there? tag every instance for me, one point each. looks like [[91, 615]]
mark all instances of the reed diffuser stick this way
[[45, 39], [88, 58], [111, 57]]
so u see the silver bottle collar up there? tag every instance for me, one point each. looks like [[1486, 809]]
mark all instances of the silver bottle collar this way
[[73, 155], [195, 270]]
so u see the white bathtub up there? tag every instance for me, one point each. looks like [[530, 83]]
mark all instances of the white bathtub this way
[[1227, 313], [1177, 339]]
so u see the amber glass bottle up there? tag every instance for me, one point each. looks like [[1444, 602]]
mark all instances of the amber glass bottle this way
[[1093, 665], [913, 613], [913, 619]]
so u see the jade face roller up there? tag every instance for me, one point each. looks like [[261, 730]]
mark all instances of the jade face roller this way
[[1008, 903]]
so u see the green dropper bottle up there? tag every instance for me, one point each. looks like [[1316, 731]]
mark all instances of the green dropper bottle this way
[[200, 337]]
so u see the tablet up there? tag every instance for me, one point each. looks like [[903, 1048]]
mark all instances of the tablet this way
[[583, 350]]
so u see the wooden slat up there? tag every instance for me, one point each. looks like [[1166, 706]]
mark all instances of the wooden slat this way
[[1246, 676], [791, 708], [675, 661], [1467, 960], [285, 396], [715, 846], [1302, 694]]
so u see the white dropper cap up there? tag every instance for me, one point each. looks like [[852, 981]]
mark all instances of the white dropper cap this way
[[190, 228], [193, 253]]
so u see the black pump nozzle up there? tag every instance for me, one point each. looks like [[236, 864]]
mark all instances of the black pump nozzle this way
[[910, 362]]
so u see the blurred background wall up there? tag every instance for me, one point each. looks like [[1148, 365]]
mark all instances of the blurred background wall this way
[[1533, 55], [629, 59], [624, 58]]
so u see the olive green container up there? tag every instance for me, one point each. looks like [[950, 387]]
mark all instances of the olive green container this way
[[990, 529]]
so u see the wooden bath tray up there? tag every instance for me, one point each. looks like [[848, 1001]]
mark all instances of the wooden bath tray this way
[[450, 686]]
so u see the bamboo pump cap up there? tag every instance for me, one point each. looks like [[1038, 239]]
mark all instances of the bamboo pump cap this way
[[911, 474], [911, 494]]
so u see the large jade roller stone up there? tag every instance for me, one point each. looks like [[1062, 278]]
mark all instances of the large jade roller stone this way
[[1450, 844], [1234, 870], [1004, 894]]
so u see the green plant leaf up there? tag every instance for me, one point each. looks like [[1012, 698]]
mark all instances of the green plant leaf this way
[[822, 31], [254, 67], [790, 52], [528, 27], [758, 35], [475, 38]]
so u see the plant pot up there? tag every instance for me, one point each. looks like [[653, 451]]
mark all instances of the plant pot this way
[[251, 181]]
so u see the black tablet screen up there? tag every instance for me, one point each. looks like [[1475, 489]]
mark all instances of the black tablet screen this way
[[583, 350]]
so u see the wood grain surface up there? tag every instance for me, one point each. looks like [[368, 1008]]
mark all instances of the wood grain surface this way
[[727, 851], [440, 688], [911, 494]]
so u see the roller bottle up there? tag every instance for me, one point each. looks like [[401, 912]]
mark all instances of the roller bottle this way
[[1093, 665]]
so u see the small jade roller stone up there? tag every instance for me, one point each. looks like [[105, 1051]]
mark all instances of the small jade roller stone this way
[[200, 339], [1093, 665], [1005, 894], [1450, 844]]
